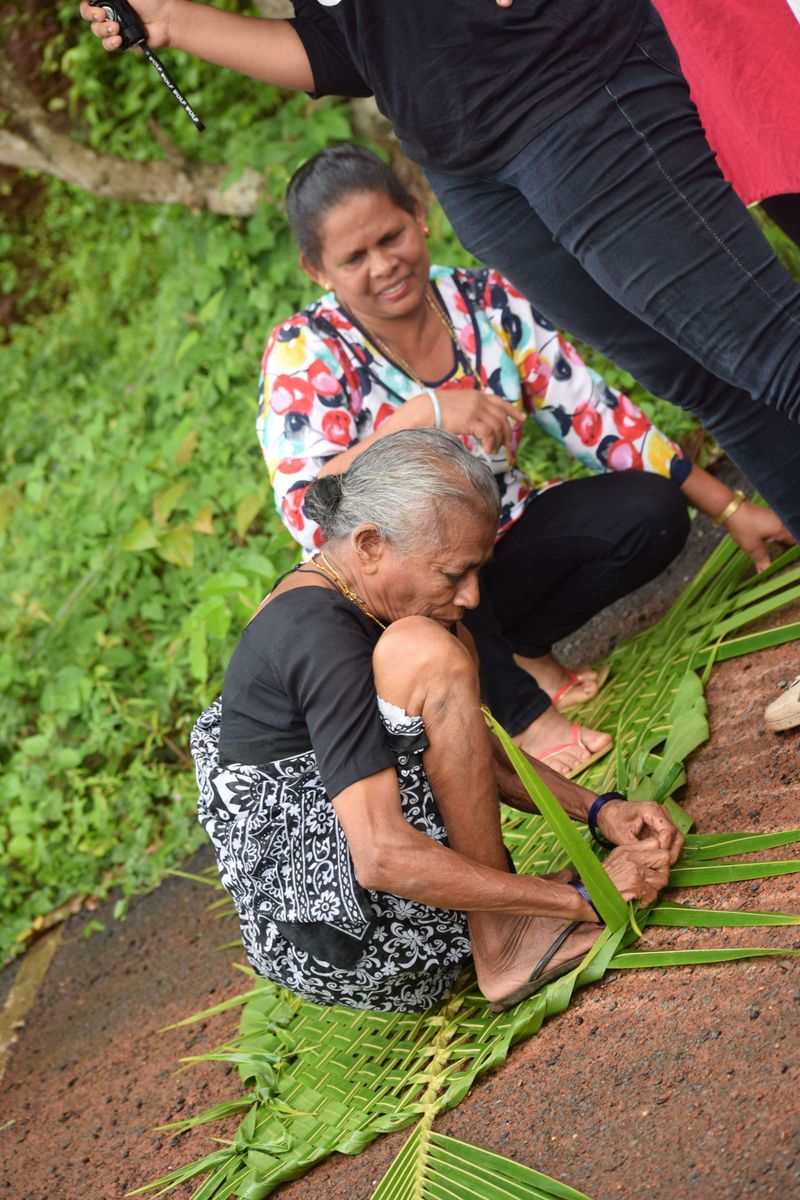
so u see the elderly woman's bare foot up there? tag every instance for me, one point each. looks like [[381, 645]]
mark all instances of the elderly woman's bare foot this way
[[552, 678], [564, 746], [526, 942]]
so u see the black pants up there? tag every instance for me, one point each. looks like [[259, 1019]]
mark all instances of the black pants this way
[[616, 222], [579, 547]]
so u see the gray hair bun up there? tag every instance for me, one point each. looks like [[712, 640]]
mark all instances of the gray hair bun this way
[[404, 484], [323, 498]]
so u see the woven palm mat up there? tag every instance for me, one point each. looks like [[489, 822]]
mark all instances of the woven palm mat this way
[[325, 1079]]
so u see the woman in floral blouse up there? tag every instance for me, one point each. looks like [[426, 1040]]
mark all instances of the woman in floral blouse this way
[[394, 344]]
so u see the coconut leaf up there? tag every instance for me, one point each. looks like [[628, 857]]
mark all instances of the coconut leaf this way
[[713, 845], [678, 915], [693, 958], [217, 1163], [432, 1166], [725, 872], [604, 894], [778, 565], [749, 643], [688, 730]]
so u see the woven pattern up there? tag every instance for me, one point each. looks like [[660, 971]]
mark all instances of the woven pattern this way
[[325, 1079]]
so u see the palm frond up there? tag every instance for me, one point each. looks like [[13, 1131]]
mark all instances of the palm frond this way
[[432, 1166]]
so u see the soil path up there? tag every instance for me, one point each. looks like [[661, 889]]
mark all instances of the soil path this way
[[653, 1086]]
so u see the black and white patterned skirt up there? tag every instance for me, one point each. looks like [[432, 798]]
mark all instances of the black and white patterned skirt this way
[[306, 922]]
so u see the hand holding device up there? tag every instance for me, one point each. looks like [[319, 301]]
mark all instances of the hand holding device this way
[[133, 33]]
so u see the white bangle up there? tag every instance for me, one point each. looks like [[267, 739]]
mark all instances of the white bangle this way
[[437, 411]]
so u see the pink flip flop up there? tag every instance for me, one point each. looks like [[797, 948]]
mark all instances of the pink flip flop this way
[[575, 740], [574, 679]]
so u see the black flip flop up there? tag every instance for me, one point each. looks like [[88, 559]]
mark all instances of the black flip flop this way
[[539, 977]]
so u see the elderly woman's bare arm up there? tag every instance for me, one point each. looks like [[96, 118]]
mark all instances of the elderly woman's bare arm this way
[[389, 855], [623, 822]]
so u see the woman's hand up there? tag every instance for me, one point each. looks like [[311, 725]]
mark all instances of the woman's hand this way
[[629, 822], [639, 872], [262, 47], [154, 15], [481, 414], [752, 526]]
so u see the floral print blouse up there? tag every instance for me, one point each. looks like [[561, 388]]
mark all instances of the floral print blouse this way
[[325, 386]]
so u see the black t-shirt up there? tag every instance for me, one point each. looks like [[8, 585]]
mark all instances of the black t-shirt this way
[[467, 84], [301, 679]]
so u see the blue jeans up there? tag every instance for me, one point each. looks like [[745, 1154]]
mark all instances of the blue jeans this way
[[617, 224]]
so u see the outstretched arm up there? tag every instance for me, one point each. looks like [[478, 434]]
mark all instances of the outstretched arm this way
[[622, 822], [750, 525], [268, 50]]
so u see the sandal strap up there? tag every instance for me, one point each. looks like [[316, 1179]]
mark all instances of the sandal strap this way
[[576, 740], [552, 950], [573, 680]]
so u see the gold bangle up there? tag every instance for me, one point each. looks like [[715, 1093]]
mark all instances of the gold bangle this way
[[731, 507]]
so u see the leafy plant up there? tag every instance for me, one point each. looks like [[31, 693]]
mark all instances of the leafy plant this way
[[136, 526]]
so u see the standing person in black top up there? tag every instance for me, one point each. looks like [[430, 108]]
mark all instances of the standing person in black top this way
[[561, 139], [349, 783]]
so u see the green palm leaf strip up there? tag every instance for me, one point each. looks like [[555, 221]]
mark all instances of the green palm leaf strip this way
[[432, 1166], [695, 876], [684, 958], [710, 845], [609, 902], [749, 644], [318, 1080], [681, 917]]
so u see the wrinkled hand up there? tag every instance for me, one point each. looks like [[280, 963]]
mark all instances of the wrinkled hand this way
[[626, 822], [481, 414], [752, 526], [154, 15], [640, 871]]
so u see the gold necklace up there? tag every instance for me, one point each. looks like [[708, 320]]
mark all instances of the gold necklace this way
[[327, 569], [393, 356]]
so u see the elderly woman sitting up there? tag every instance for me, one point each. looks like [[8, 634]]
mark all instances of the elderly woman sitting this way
[[395, 344], [348, 781]]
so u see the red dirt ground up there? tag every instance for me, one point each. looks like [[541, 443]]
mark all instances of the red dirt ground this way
[[653, 1085]]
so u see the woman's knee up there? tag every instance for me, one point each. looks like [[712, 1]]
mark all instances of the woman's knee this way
[[418, 650], [666, 508], [659, 517]]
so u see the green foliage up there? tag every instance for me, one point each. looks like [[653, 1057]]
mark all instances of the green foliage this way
[[136, 526]]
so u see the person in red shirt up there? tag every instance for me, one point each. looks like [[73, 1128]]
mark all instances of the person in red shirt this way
[[740, 60]]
